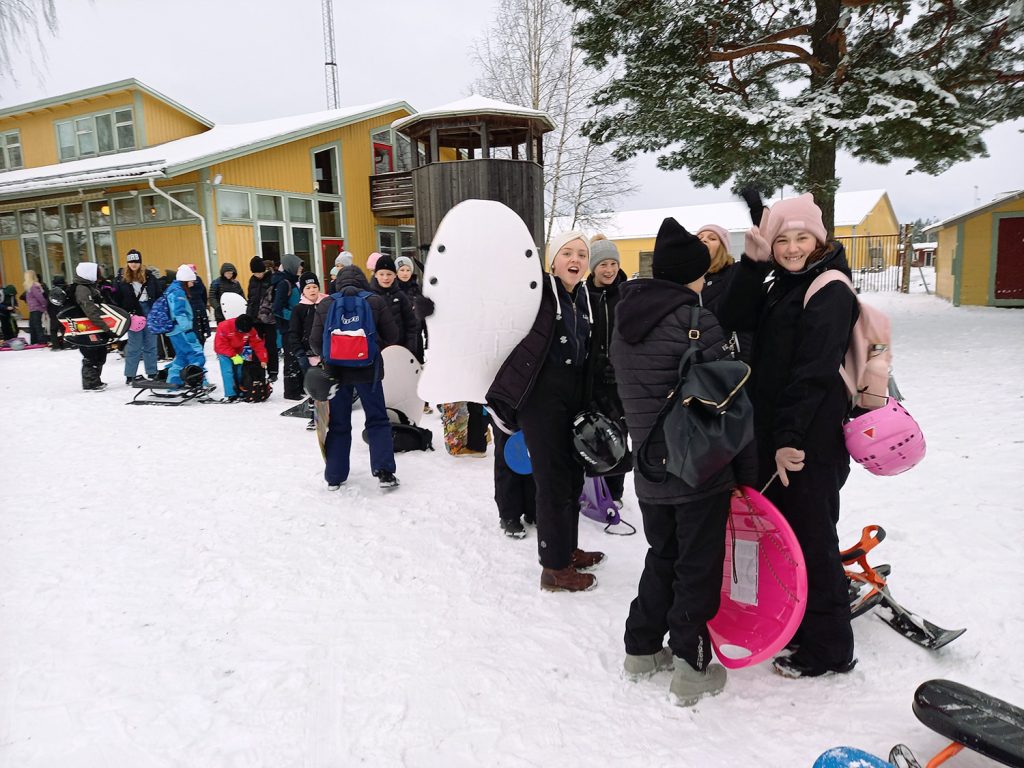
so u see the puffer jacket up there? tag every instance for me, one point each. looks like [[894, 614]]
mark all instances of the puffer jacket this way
[[402, 311], [652, 332], [712, 296], [223, 285], [799, 397], [229, 341], [88, 299], [180, 308], [350, 281]]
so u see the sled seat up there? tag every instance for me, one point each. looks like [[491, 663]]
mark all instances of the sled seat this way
[[151, 384], [972, 719]]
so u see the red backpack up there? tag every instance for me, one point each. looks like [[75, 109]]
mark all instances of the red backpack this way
[[868, 362]]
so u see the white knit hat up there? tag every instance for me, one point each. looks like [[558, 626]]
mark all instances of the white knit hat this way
[[558, 241], [185, 273], [87, 270]]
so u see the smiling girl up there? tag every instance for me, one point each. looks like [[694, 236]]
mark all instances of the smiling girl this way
[[541, 387], [800, 403]]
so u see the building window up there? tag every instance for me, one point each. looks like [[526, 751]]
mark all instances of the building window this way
[[186, 197], [8, 224], [300, 210], [395, 242], [383, 151], [330, 218], [325, 172], [99, 134], [155, 209], [29, 221], [99, 214], [271, 242], [126, 211], [10, 151], [268, 208], [233, 206]]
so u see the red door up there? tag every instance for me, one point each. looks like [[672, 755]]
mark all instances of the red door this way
[[1010, 260], [330, 248]]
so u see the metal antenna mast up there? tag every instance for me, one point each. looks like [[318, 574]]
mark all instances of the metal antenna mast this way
[[330, 59]]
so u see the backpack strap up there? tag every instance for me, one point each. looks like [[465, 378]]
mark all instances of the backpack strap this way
[[826, 277]]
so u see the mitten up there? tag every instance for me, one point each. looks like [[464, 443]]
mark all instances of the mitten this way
[[237, 360], [755, 246]]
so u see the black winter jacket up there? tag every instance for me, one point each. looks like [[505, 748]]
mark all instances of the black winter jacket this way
[[603, 301], [650, 337], [223, 285], [402, 311], [126, 297], [88, 297], [351, 280], [800, 400], [517, 375], [712, 297], [299, 328], [258, 289]]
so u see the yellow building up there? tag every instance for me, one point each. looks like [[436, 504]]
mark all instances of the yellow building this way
[[980, 255], [864, 221], [87, 176]]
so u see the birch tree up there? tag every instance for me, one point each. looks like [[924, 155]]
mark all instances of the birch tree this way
[[20, 21], [528, 57]]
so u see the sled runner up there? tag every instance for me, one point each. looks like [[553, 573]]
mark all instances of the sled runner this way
[[596, 503], [869, 589], [162, 393], [303, 410]]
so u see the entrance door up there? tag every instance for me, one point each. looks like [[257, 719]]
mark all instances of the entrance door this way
[[330, 247], [1010, 260]]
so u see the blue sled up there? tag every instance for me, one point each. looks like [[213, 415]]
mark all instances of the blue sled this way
[[849, 757]]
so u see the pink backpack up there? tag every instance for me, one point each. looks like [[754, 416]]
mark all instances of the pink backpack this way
[[869, 357]]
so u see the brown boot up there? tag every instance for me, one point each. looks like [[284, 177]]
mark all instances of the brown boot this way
[[566, 580], [584, 561]]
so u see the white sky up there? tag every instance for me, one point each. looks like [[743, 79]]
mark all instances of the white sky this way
[[242, 60]]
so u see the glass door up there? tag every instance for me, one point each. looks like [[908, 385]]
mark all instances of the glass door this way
[[55, 257], [330, 248]]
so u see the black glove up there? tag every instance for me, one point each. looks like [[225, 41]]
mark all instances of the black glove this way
[[424, 306], [608, 374], [752, 197]]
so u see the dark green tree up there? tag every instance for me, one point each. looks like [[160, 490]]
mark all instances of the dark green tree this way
[[765, 92]]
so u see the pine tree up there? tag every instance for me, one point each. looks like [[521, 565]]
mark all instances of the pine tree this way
[[765, 92]]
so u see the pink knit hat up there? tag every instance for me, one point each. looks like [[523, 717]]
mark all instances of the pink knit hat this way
[[371, 261], [793, 213], [722, 232]]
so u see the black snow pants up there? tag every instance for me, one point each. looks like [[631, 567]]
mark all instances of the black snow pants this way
[[546, 420], [681, 585], [811, 506], [514, 494], [93, 359], [268, 333]]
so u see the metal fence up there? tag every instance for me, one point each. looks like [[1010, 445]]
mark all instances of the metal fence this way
[[876, 261]]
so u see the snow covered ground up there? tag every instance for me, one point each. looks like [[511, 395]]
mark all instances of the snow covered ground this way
[[178, 588]]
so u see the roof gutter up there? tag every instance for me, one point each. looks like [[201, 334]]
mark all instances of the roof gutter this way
[[202, 224]]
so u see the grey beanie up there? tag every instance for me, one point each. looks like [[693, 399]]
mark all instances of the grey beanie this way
[[601, 250]]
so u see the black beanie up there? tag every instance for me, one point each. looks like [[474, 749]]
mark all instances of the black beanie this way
[[385, 262], [256, 264], [243, 323], [679, 257], [306, 279]]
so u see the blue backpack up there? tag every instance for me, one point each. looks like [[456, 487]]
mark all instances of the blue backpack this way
[[159, 319], [350, 333]]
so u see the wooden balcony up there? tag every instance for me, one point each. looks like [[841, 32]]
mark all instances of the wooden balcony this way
[[391, 194]]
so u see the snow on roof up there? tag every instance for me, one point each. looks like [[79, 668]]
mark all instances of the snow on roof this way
[[474, 105], [925, 246], [851, 208], [220, 143], [997, 200]]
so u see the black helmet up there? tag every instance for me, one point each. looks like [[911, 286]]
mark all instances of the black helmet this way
[[598, 440], [192, 376]]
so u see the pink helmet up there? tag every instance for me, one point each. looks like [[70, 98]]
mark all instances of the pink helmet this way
[[138, 322], [885, 441]]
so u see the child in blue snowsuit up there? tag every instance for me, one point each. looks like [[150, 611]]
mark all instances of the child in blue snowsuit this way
[[187, 349]]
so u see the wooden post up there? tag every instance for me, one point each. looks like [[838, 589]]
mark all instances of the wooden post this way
[[485, 142], [540, 149], [414, 147], [529, 143], [515, 151], [434, 152], [472, 153], [908, 256]]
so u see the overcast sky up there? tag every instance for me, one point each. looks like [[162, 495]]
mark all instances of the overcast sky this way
[[242, 60]]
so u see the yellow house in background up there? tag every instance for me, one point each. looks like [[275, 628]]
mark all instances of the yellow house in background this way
[[865, 221], [980, 255], [89, 175]]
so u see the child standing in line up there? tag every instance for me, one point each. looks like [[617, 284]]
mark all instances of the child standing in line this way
[[234, 340]]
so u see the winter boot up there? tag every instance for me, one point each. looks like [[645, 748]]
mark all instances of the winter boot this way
[[584, 561], [797, 665], [91, 377], [567, 579], [513, 528], [639, 666], [386, 480], [689, 685]]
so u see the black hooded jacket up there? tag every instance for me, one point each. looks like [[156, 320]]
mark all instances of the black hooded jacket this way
[[651, 335], [712, 296], [223, 285], [125, 290], [800, 400], [350, 281], [401, 310]]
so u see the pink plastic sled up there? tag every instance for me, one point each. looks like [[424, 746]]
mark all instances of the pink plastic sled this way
[[764, 584]]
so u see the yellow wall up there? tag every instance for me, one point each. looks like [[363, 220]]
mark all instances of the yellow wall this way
[[164, 123], [13, 274], [978, 262], [881, 220], [236, 243], [944, 255], [289, 168], [38, 134], [165, 247]]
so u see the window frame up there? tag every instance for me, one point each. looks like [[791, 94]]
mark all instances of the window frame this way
[[72, 122], [5, 147], [251, 219]]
